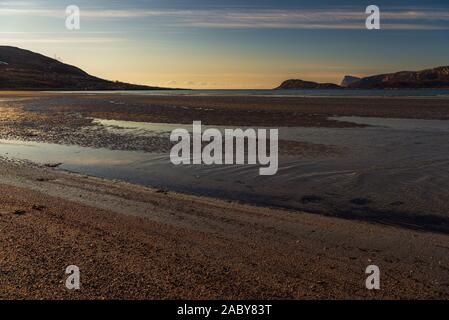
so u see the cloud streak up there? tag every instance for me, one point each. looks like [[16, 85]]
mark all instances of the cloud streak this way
[[66, 40], [410, 19]]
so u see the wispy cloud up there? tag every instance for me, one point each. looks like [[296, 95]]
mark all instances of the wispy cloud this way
[[58, 40], [419, 19]]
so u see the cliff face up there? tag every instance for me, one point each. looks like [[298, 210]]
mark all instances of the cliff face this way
[[436, 78], [430, 78], [301, 84], [25, 70], [348, 80]]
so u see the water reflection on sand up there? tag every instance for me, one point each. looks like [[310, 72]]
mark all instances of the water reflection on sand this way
[[394, 172]]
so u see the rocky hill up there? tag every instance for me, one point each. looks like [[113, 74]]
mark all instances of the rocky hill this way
[[301, 84], [25, 70], [436, 78], [348, 80], [430, 78]]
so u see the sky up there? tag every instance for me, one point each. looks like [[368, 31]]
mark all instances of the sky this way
[[210, 44]]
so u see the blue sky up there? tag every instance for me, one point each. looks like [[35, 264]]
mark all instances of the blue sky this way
[[231, 44]]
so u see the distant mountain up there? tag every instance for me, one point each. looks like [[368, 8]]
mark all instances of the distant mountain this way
[[348, 80], [25, 70], [430, 78], [301, 84]]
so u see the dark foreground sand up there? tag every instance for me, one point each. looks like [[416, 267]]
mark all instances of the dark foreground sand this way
[[132, 242]]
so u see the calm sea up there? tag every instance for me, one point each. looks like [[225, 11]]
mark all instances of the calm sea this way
[[415, 93]]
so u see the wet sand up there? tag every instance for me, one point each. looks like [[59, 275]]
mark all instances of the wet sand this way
[[68, 118], [230, 110], [133, 242]]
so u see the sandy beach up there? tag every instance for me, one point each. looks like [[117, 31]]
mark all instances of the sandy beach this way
[[136, 242], [132, 242]]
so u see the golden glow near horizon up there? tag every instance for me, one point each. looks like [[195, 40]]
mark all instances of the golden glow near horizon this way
[[196, 72]]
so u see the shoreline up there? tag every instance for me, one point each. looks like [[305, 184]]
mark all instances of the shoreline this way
[[156, 91], [133, 242]]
